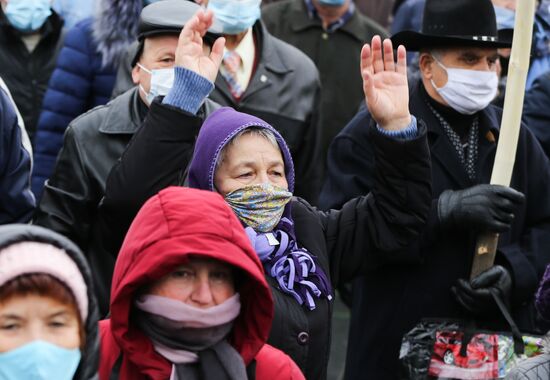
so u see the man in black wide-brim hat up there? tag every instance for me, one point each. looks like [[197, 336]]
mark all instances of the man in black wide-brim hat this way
[[458, 53]]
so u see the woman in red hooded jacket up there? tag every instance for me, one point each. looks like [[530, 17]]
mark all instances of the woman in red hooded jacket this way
[[189, 298]]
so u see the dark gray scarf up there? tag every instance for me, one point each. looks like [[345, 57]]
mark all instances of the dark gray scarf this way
[[217, 359]]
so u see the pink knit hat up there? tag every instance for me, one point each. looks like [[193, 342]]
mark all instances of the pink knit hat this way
[[34, 257]]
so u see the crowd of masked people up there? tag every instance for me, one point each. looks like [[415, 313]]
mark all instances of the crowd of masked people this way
[[185, 186]]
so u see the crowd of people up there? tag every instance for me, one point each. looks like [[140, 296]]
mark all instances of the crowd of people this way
[[186, 186]]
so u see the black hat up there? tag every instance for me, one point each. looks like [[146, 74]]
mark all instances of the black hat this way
[[167, 17], [455, 23]]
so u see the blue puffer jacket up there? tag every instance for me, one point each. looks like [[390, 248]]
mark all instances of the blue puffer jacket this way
[[78, 83], [16, 200], [84, 76]]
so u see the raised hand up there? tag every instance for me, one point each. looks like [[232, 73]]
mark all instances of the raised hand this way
[[385, 84], [190, 53]]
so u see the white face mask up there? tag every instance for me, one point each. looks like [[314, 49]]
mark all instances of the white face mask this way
[[468, 91], [162, 81]]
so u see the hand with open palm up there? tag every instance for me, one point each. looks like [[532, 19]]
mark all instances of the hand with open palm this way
[[190, 53], [385, 84]]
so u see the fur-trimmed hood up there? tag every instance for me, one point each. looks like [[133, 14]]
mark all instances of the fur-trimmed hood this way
[[115, 28]]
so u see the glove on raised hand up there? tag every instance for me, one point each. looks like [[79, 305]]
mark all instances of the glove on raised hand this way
[[475, 296], [483, 207]]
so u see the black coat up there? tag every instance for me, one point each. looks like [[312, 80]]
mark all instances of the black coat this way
[[389, 302], [536, 110], [92, 145], [15, 233], [336, 55], [346, 242], [27, 74]]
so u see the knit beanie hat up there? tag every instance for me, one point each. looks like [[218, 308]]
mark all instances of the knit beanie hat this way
[[35, 257], [542, 300]]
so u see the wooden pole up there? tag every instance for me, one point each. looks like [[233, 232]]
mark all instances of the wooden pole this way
[[511, 121]]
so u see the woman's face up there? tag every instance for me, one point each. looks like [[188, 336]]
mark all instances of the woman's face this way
[[27, 318], [201, 283], [252, 160]]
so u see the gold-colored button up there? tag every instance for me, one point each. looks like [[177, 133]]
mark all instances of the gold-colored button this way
[[325, 36]]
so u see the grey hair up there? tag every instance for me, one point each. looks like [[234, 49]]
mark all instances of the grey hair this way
[[255, 131], [434, 52]]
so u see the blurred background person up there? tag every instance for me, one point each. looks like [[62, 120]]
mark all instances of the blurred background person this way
[[408, 16], [331, 33], [379, 11], [84, 75], [48, 312], [73, 11], [30, 39]]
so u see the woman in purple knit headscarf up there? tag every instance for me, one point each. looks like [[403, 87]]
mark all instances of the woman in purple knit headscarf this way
[[305, 252]]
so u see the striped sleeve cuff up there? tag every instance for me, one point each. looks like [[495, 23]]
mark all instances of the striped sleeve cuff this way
[[409, 133], [189, 90]]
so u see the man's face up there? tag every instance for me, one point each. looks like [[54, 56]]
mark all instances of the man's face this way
[[159, 52], [469, 58]]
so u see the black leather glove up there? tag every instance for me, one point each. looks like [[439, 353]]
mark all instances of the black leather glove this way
[[483, 207], [475, 296]]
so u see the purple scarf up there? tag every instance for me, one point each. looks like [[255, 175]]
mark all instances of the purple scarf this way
[[294, 268]]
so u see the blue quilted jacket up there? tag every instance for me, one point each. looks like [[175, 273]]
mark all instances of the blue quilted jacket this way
[[78, 83]]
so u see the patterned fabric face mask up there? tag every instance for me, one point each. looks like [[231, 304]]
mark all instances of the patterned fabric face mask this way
[[259, 206]]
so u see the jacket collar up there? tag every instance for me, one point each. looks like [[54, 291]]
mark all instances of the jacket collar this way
[[300, 21], [440, 146], [270, 56], [123, 114], [270, 61]]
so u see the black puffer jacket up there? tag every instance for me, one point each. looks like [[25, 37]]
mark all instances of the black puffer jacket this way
[[15, 233], [27, 73]]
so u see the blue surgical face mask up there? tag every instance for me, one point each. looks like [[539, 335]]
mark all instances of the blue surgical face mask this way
[[28, 15], [332, 3], [505, 17], [39, 360], [162, 81], [235, 16]]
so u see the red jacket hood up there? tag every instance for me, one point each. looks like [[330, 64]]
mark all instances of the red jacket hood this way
[[170, 226]]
